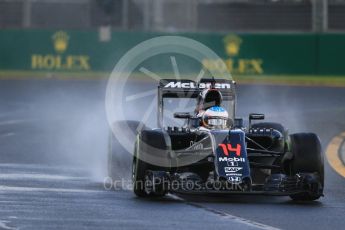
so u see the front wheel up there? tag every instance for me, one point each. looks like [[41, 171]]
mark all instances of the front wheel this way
[[139, 169], [307, 158], [119, 159]]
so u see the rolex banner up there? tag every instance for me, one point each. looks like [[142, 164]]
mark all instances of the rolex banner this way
[[243, 54]]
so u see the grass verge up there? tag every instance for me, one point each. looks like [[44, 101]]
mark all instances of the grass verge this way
[[294, 80]]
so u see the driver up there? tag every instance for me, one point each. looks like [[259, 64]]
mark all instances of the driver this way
[[209, 109]]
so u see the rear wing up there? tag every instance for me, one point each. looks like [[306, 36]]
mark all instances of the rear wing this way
[[172, 88]]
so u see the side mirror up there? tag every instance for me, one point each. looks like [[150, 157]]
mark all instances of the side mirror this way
[[182, 115], [255, 116]]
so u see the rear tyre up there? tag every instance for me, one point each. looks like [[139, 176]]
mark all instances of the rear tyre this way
[[307, 158]]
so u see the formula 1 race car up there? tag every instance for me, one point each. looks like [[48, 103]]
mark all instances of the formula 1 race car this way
[[211, 151]]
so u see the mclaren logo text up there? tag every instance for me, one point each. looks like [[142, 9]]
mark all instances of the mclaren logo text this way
[[193, 85]]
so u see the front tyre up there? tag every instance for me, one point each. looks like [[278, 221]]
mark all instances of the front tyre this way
[[139, 169], [119, 160], [307, 158], [149, 180]]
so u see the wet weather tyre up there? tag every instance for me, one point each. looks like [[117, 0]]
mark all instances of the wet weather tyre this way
[[142, 171], [139, 169], [307, 158]]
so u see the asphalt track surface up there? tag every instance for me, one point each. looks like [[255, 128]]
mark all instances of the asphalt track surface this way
[[53, 144]]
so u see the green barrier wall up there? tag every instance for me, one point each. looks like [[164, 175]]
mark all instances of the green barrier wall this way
[[330, 59], [75, 51]]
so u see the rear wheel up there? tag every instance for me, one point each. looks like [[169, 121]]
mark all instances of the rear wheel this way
[[307, 158]]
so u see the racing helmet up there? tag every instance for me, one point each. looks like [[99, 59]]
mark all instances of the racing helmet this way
[[209, 98], [215, 117]]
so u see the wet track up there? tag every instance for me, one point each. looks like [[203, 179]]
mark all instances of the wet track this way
[[53, 144]]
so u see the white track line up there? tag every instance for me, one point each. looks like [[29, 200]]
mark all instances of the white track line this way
[[226, 215], [16, 176], [3, 225], [12, 122], [57, 190]]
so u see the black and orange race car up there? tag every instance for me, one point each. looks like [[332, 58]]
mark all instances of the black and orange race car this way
[[210, 150]]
